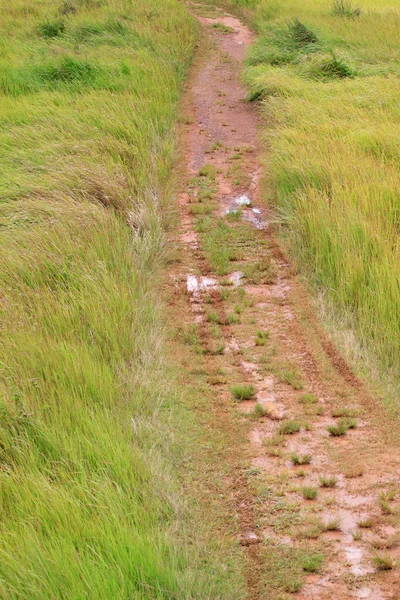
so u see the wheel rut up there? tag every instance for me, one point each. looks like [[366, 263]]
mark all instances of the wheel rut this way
[[316, 487]]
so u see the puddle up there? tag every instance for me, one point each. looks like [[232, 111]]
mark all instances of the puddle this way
[[255, 219], [236, 277], [369, 593], [242, 200], [354, 556], [199, 284]]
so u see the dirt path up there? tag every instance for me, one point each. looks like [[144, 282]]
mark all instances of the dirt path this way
[[315, 511]]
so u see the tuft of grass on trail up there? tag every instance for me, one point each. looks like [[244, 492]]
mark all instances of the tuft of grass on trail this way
[[90, 503]]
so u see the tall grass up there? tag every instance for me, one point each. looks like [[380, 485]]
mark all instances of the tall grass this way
[[333, 124], [90, 503]]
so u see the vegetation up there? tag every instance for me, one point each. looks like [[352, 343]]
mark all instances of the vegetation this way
[[90, 502], [244, 391], [327, 75]]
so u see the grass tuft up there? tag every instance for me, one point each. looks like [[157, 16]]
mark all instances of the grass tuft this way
[[328, 482], [244, 391], [289, 427], [309, 493]]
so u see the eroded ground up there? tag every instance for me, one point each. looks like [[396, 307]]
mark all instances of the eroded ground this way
[[317, 510]]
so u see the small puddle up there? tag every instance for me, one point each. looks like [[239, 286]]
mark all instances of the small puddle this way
[[199, 284], [236, 278]]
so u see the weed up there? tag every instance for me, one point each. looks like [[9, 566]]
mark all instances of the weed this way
[[356, 535], [243, 391], [384, 562], [289, 427], [261, 338], [292, 585], [328, 482], [392, 541], [309, 493], [303, 459]]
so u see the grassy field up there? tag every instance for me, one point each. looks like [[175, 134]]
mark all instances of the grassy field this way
[[91, 428], [327, 74]]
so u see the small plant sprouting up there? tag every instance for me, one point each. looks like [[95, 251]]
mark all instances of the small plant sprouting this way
[[309, 493], [328, 482], [244, 391], [304, 459], [261, 338], [289, 427]]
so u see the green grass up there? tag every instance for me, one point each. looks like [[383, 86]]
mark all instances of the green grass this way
[[289, 427], [244, 391], [90, 502]]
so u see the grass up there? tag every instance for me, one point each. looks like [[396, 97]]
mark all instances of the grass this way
[[244, 391], [91, 428], [289, 427], [309, 493], [311, 563], [261, 338], [326, 74], [384, 562], [341, 427], [303, 459], [365, 523], [328, 482]]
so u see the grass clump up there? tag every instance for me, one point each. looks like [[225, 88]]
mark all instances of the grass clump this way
[[341, 427], [309, 493], [308, 399], [384, 562], [244, 391], [301, 35], [303, 459], [51, 29], [328, 482], [365, 522], [311, 563], [261, 338], [289, 427]]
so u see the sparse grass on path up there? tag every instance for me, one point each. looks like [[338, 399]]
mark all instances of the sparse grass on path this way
[[327, 74], [89, 498]]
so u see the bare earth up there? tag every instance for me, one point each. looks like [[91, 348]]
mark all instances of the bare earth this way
[[296, 371]]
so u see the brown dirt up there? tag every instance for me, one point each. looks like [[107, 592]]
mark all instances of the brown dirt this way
[[297, 358]]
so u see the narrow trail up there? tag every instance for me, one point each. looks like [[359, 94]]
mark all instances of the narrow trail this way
[[305, 493]]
